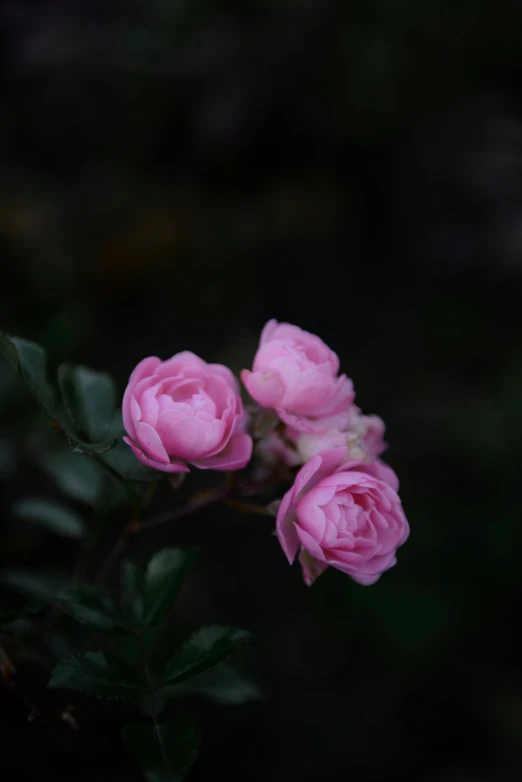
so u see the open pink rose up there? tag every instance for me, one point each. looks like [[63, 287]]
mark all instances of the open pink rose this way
[[343, 514], [185, 411], [295, 373]]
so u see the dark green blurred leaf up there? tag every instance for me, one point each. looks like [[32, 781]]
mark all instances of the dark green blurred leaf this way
[[36, 584], [51, 515], [93, 449], [92, 607], [128, 648], [132, 591], [7, 615], [15, 623], [8, 460], [77, 476], [30, 362], [163, 579], [132, 648], [90, 397], [223, 684], [59, 645], [207, 647], [165, 751], [17, 628], [94, 673], [122, 461]]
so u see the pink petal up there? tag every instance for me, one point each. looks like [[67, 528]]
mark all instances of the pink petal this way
[[312, 568], [142, 385], [150, 441], [342, 398], [131, 412], [310, 544], [311, 517], [313, 425], [308, 393], [149, 405], [187, 437], [166, 404], [266, 388], [234, 456], [222, 393], [170, 467], [366, 580], [382, 472], [145, 368], [225, 374], [268, 330], [185, 364], [285, 528], [305, 478]]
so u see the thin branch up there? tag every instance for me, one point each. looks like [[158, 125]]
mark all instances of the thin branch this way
[[199, 501], [115, 553], [7, 668], [249, 507]]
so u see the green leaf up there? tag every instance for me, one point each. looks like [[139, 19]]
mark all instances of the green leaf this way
[[15, 623], [90, 398], [222, 684], [163, 579], [17, 628], [8, 460], [102, 675], [207, 647], [91, 606], [91, 449], [133, 648], [132, 591], [39, 585], [7, 615], [30, 362], [79, 477], [122, 461], [166, 750], [51, 515]]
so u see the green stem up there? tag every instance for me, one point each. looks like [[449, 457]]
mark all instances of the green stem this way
[[88, 545], [248, 507], [114, 554], [154, 708]]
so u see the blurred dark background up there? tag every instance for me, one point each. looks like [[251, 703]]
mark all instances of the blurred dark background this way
[[175, 173]]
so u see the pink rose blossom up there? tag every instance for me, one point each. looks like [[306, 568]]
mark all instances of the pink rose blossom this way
[[343, 514], [362, 437], [185, 411], [295, 373]]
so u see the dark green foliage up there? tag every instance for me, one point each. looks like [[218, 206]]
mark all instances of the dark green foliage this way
[[166, 750], [207, 647], [90, 399], [102, 675], [87, 415], [30, 362], [222, 684], [91, 606], [51, 515], [163, 579]]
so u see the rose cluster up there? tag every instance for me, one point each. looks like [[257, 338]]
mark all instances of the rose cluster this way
[[343, 509]]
